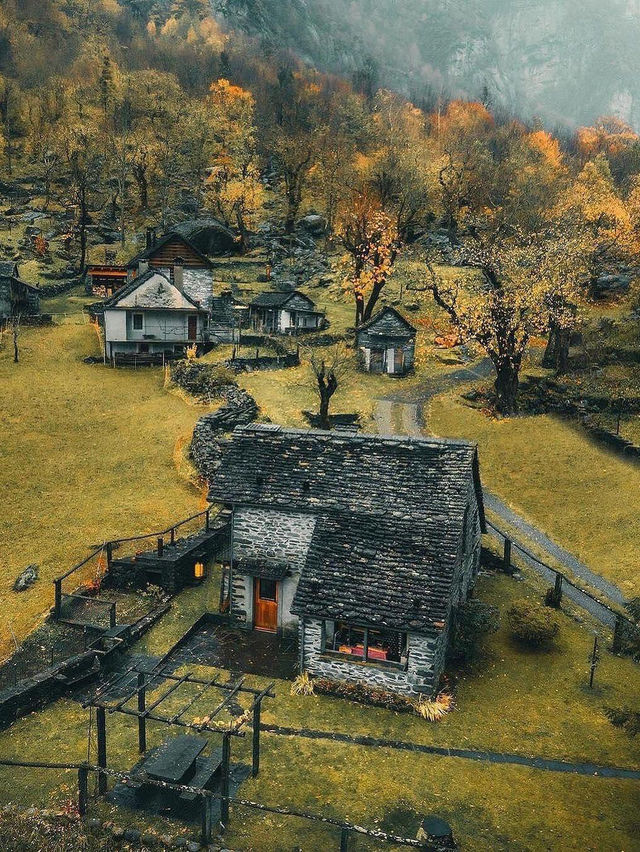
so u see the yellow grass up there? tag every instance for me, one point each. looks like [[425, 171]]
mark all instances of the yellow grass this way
[[581, 495], [86, 454]]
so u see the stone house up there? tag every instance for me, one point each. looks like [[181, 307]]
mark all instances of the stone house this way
[[285, 313], [364, 545], [386, 343], [16, 296], [163, 254], [152, 315]]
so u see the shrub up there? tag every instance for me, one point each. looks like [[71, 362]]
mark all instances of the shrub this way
[[433, 710], [474, 619], [622, 717], [302, 685], [201, 380], [532, 624]]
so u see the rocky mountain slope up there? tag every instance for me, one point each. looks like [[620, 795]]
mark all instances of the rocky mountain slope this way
[[568, 61]]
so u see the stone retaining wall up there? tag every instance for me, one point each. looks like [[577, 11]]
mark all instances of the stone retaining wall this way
[[206, 445]]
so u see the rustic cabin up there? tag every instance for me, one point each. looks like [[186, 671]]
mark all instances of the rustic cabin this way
[[153, 316], [106, 279], [285, 313], [386, 343], [165, 253], [362, 544], [17, 298]]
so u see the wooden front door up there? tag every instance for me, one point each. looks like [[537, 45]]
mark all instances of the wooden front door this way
[[265, 604], [193, 328], [376, 361]]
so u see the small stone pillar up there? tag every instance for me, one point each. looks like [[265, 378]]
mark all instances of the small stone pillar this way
[[435, 831]]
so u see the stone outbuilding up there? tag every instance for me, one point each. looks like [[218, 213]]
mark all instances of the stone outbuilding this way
[[387, 343], [17, 298], [285, 312], [365, 545]]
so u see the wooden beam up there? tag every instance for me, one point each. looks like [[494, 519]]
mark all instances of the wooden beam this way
[[224, 781], [83, 790], [102, 749], [193, 700], [256, 738], [166, 694], [142, 722]]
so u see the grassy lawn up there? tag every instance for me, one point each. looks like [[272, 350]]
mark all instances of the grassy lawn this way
[[86, 455], [517, 701], [581, 495]]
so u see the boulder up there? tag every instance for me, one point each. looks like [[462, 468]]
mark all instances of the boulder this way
[[314, 224], [26, 579], [209, 236]]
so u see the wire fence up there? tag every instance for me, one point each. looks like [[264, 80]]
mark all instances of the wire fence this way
[[621, 625], [343, 832]]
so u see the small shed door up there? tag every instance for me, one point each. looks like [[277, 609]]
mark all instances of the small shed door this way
[[376, 360], [193, 328], [399, 360], [391, 363], [265, 604]]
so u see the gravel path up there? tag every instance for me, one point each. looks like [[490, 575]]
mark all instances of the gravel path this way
[[548, 764], [412, 403]]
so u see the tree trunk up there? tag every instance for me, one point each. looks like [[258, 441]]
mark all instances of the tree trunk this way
[[359, 309], [325, 399], [506, 387], [556, 354], [16, 353], [143, 187]]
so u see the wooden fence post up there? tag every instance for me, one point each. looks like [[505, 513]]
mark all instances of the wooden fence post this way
[[160, 547], [102, 749], [344, 840], [142, 722], [83, 790], [207, 517], [558, 588], [57, 607], [173, 535], [256, 739], [112, 616], [109, 549], [224, 781], [506, 556]]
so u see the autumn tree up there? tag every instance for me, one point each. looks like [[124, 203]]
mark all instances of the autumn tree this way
[[234, 184], [370, 238]]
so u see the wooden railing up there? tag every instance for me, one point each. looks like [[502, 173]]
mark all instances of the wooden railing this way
[[109, 546]]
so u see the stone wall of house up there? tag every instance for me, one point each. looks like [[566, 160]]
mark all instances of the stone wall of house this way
[[426, 663], [268, 534], [242, 598], [366, 340]]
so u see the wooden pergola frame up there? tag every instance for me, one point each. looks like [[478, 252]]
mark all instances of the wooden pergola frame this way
[[143, 712]]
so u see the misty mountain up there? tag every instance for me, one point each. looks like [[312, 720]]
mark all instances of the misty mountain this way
[[567, 61]]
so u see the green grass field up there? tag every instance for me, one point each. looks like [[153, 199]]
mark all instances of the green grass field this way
[[86, 455]]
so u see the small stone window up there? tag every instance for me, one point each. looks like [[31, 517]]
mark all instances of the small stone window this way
[[365, 644], [138, 321]]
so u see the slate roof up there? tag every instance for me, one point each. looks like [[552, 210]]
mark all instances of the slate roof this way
[[389, 516], [149, 251], [382, 573], [389, 322], [164, 297], [278, 299]]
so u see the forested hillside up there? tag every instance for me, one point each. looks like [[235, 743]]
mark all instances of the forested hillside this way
[[121, 114], [567, 61]]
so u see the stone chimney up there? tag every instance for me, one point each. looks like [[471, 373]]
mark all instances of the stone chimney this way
[[143, 266], [178, 273]]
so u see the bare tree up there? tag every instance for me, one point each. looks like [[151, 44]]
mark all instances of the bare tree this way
[[328, 369]]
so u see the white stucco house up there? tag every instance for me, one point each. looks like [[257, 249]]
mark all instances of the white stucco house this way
[[153, 316]]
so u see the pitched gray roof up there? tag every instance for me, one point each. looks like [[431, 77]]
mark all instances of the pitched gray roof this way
[[389, 322], [389, 516], [278, 299]]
